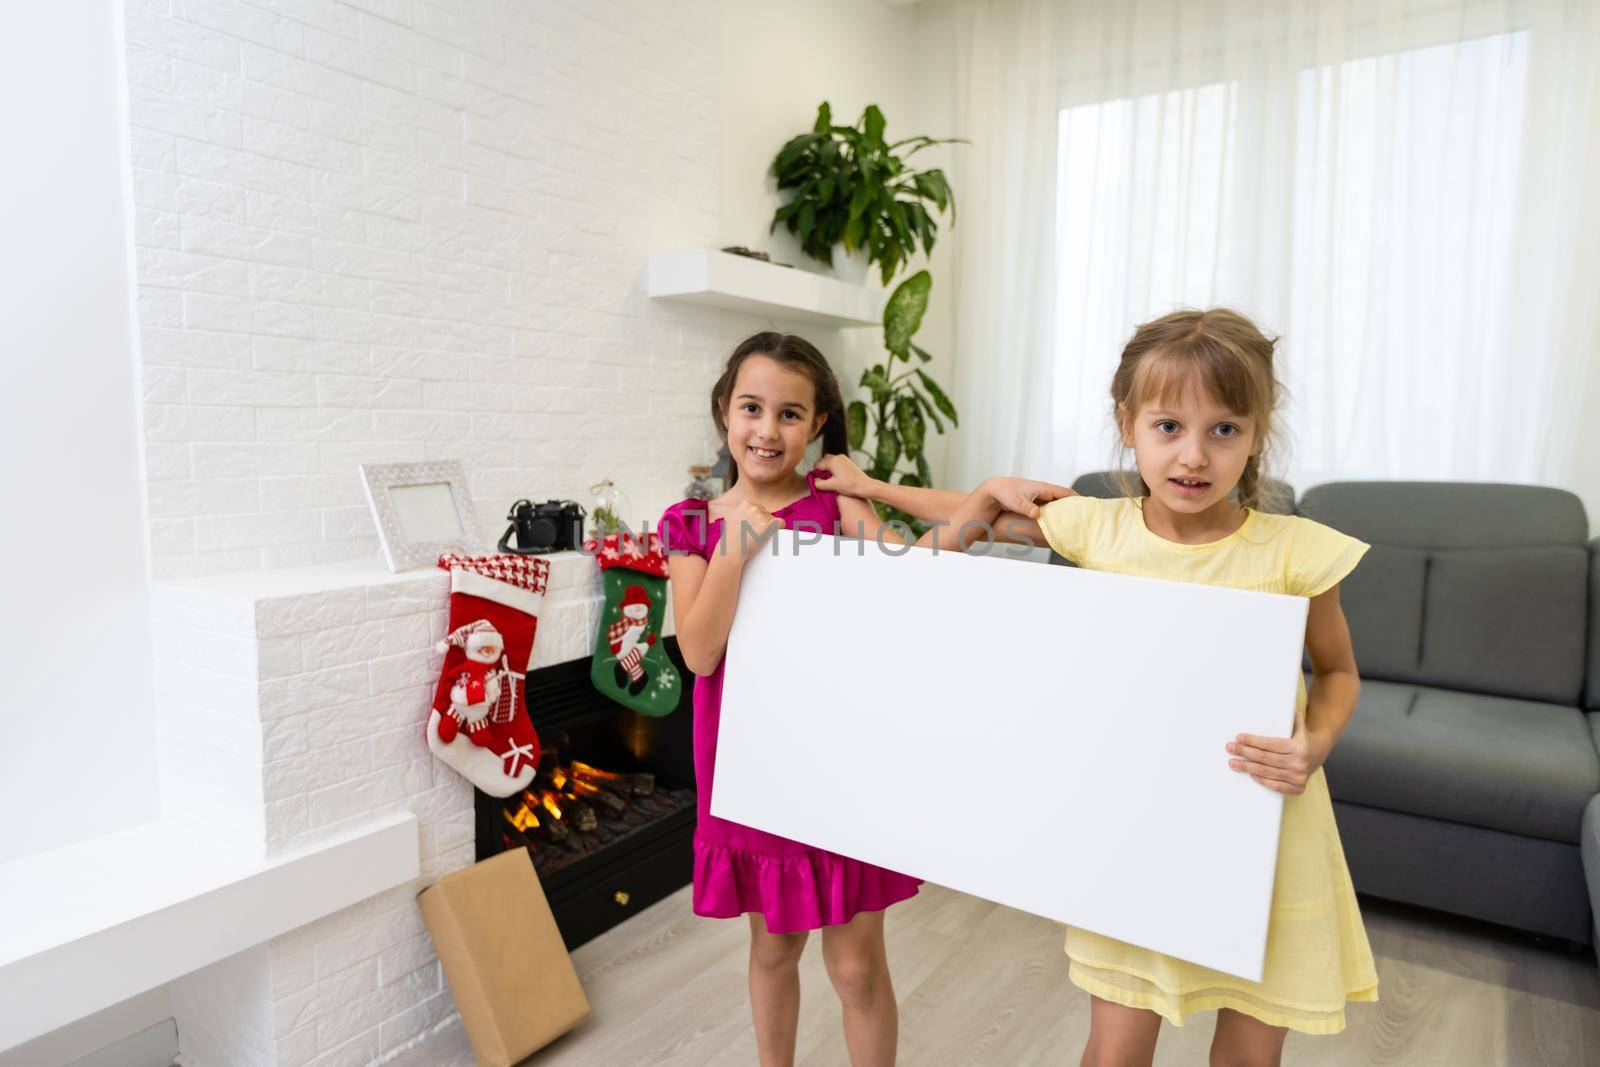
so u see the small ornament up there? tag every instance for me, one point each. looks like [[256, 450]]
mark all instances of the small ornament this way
[[605, 515], [700, 487]]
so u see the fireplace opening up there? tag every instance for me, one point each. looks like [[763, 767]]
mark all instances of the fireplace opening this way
[[573, 809], [609, 816]]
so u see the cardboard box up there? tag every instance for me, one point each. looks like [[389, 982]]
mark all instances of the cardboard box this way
[[505, 961]]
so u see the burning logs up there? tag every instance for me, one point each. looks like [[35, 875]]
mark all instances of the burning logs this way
[[641, 784], [603, 799], [526, 822], [582, 815], [564, 806], [574, 808], [522, 820], [548, 816]]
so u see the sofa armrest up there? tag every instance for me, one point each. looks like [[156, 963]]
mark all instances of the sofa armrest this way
[[1592, 666]]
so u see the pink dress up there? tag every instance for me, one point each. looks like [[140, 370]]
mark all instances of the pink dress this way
[[740, 869]]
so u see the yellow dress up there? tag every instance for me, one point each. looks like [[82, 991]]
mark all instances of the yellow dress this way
[[1317, 952]]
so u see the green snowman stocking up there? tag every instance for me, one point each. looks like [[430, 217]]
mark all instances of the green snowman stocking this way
[[630, 665]]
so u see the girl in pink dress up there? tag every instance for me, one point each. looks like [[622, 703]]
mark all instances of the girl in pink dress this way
[[776, 395]]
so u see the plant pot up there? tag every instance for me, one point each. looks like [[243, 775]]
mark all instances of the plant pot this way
[[851, 267]]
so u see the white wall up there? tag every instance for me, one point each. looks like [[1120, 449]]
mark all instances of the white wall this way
[[412, 232], [421, 233], [779, 61], [75, 642]]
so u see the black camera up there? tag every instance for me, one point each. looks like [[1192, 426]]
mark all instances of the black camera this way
[[554, 526]]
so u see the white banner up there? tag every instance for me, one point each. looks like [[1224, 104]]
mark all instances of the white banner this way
[[1048, 738]]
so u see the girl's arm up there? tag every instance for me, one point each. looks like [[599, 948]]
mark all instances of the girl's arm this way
[[847, 479], [1002, 509], [967, 524], [929, 505], [705, 594], [992, 522], [857, 519], [1285, 765], [981, 514]]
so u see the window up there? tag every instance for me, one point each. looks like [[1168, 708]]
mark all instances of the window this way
[[1364, 209]]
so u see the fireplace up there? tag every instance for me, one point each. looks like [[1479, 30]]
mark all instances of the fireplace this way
[[610, 816]]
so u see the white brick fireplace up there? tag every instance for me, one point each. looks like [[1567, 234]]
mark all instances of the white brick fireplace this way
[[346, 671], [304, 813]]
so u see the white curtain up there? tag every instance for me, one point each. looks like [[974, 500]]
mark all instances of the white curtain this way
[[1400, 189]]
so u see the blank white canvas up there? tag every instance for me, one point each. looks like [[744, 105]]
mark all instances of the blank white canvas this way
[[1048, 738]]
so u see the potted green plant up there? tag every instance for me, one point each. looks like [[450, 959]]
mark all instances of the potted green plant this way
[[900, 405], [853, 191]]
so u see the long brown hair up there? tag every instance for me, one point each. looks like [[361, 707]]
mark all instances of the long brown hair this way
[[1227, 355], [792, 352]]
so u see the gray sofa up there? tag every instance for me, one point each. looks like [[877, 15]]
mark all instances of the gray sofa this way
[[1468, 780], [1462, 781]]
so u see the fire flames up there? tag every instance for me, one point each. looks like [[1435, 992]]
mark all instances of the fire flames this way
[[548, 799], [522, 819]]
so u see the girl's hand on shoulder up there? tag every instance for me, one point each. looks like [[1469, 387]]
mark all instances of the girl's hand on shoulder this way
[[1283, 765], [844, 476], [1023, 495], [749, 526]]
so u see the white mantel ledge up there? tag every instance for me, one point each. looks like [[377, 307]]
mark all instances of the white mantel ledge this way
[[94, 923]]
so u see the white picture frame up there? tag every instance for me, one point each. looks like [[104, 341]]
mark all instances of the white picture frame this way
[[1099, 702], [421, 510]]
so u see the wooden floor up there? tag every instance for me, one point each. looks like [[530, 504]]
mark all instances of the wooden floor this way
[[983, 984]]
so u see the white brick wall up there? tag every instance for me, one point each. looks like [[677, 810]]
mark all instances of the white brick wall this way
[[409, 229], [291, 706]]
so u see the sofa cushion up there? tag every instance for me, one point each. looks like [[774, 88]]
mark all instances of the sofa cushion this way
[[1509, 621], [1449, 515], [1515, 765], [1472, 587], [1382, 600]]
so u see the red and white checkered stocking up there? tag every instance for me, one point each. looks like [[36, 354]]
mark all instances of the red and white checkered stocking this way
[[479, 724]]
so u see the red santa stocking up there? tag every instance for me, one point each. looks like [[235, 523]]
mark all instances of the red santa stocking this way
[[479, 724]]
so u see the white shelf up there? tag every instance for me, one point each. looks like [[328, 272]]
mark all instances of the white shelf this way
[[97, 922], [740, 283]]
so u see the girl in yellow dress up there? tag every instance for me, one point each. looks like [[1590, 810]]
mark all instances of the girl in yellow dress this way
[[1194, 397]]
